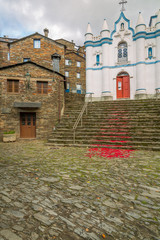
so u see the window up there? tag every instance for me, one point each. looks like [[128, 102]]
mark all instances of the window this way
[[42, 87], [122, 52], [122, 26], [67, 74], [13, 86], [68, 87], [37, 43], [68, 62], [55, 61], [97, 59], [26, 59], [78, 86], [8, 56], [78, 75], [78, 64], [150, 53]]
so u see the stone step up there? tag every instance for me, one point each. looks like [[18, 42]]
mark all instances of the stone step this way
[[109, 138], [115, 124], [149, 148], [102, 142]]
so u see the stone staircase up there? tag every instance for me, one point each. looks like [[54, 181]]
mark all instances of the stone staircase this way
[[123, 124]]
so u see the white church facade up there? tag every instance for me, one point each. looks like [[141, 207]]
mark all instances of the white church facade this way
[[123, 63]]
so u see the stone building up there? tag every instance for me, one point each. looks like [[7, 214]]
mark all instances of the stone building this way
[[75, 66], [124, 62], [32, 99], [36, 48], [32, 85]]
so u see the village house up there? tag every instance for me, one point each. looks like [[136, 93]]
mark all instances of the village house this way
[[32, 85], [75, 65]]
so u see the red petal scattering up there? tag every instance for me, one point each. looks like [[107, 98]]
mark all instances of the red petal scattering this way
[[109, 152]]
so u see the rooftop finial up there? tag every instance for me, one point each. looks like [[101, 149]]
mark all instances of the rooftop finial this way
[[122, 2]]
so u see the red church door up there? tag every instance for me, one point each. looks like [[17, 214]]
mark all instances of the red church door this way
[[123, 86]]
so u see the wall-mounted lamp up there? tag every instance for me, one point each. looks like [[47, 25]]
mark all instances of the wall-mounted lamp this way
[[28, 76]]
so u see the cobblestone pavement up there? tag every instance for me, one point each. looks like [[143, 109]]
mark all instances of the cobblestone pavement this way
[[61, 193]]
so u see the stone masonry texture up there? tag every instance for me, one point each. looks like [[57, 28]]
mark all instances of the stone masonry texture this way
[[51, 104], [63, 193]]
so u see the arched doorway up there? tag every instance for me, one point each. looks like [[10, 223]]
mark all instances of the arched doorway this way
[[123, 85]]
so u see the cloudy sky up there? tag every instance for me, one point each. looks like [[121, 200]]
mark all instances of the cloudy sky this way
[[67, 18]]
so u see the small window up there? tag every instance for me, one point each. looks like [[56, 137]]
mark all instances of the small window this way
[[42, 87], [78, 64], [68, 62], [68, 87], [8, 56], [150, 53], [55, 63], [97, 59], [78, 75], [26, 59], [67, 74], [78, 87], [13, 86], [37, 43], [122, 26]]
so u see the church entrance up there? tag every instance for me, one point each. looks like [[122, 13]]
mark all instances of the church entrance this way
[[123, 85]]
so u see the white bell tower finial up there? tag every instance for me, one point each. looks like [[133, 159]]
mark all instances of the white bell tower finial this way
[[122, 2]]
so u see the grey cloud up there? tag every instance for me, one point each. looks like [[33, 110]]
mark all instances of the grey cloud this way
[[67, 18]]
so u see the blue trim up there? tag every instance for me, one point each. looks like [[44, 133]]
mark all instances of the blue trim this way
[[126, 19], [105, 30], [98, 43], [157, 23], [106, 92], [141, 25], [90, 93], [88, 33], [127, 65], [146, 35], [67, 90], [140, 89], [151, 19], [79, 91], [157, 88]]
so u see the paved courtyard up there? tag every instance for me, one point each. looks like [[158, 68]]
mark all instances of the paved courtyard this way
[[66, 193]]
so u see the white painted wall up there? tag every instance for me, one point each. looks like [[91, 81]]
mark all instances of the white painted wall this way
[[143, 75]]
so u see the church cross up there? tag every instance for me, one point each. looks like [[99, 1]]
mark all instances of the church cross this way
[[122, 3]]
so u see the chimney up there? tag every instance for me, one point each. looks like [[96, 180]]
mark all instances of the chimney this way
[[46, 32]]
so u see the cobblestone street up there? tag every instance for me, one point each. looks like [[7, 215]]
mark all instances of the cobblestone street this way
[[67, 193]]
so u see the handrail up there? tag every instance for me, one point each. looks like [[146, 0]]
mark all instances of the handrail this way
[[80, 118]]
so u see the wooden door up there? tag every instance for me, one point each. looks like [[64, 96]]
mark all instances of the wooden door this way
[[119, 87], [123, 87], [126, 87], [28, 125]]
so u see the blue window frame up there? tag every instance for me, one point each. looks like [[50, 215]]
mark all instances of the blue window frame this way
[[37, 43], [97, 59], [150, 55]]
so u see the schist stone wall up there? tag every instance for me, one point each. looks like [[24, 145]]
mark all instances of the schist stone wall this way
[[76, 73], [71, 98], [48, 107], [24, 48]]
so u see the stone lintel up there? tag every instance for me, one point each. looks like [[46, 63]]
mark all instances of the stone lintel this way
[[27, 104]]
